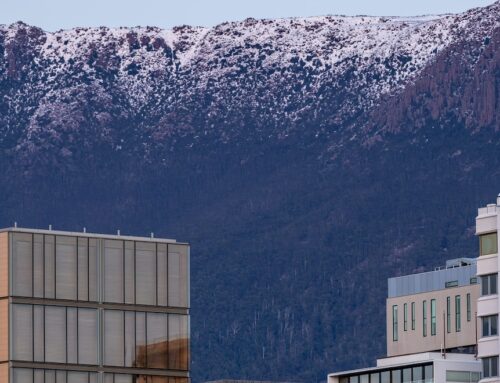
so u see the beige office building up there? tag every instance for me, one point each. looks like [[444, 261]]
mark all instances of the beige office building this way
[[433, 311], [488, 266], [91, 308]]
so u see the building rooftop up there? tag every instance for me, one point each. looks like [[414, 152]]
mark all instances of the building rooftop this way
[[457, 272], [86, 234], [405, 360]]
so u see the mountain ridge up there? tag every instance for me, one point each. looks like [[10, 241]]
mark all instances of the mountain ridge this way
[[305, 160]]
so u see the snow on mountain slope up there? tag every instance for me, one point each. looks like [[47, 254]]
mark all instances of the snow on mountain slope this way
[[280, 73]]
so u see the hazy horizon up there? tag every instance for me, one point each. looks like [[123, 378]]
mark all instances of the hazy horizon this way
[[52, 15]]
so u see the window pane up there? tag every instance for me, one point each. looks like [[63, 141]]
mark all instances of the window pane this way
[[129, 339], [22, 375], [417, 373], [113, 338], [493, 284], [61, 377], [129, 273], [140, 338], [22, 335], [157, 340], [458, 318], [488, 244], [71, 332], [55, 340], [38, 338], [78, 377], [92, 270], [87, 336], [39, 376], [428, 372], [38, 266], [385, 377], [178, 278], [363, 378], [50, 263], [22, 265], [178, 345], [145, 264], [395, 323], [354, 379], [92, 377], [66, 264], [494, 325], [162, 274], [50, 376], [113, 271], [122, 378], [407, 375], [494, 366], [396, 376], [433, 317], [375, 378], [83, 270]]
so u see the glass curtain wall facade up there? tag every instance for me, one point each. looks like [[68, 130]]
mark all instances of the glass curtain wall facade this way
[[96, 309]]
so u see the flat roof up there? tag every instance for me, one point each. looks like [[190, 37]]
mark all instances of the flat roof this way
[[460, 275], [408, 360], [91, 235]]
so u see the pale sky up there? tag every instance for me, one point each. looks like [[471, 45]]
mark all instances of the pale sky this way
[[52, 15]]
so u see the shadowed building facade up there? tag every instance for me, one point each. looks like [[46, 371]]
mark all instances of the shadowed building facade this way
[[90, 308]]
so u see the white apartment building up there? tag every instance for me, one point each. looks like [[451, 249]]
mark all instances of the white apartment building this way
[[488, 266]]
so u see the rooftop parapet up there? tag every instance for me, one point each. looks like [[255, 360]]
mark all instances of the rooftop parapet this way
[[458, 272]]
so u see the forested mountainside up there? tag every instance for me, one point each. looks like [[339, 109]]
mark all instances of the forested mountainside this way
[[305, 160]]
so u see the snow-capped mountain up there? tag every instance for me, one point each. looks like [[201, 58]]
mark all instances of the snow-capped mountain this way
[[306, 159]]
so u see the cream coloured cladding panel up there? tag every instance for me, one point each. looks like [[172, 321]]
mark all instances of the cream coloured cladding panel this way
[[486, 224], [487, 264], [413, 341], [487, 305], [488, 346]]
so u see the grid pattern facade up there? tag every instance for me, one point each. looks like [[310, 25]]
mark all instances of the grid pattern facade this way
[[94, 309]]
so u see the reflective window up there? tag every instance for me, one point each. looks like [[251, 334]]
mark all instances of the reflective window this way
[[66, 268], [424, 318], [433, 317], [157, 342], [429, 372], [129, 273], [375, 378], [178, 275], [114, 342], [364, 378], [396, 376], [490, 325], [405, 317], [22, 334], [50, 266], [162, 274], [178, 344], [22, 265], [488, 244], [38, 333], [448, 314], [385, 377], [406, 375], [87, 336], [489, 284], [114, 287], [490, 367], [145, 266], [71, 335], [469, 314], [26, 375], [413, 315], [38, 282], [55, 343], [458, 322], [83, 269], [93, 270], [395, 323], [417, 373]]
